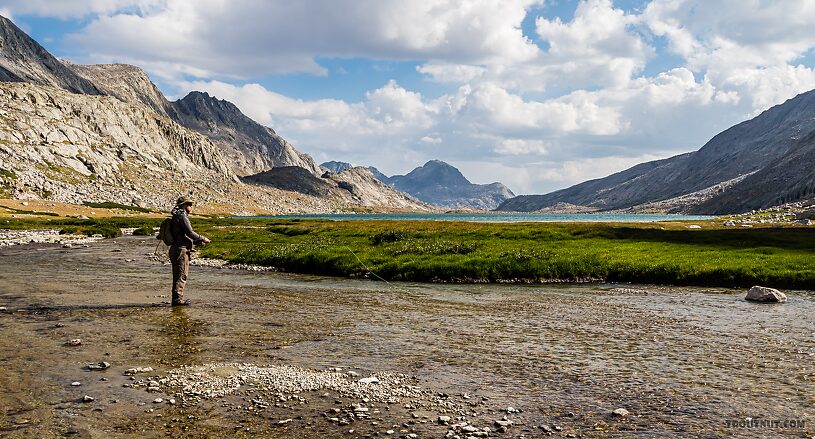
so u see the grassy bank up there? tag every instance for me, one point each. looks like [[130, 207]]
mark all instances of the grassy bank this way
[[541, 252]]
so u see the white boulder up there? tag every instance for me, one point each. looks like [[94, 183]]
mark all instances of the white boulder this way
[[765, 295]]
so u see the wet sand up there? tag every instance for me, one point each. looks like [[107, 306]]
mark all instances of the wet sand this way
[[682, 361]]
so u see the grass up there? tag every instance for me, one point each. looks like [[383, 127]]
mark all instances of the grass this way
[[540, 252], [431, 251]]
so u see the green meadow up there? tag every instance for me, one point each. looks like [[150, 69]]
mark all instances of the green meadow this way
[[442, 251]]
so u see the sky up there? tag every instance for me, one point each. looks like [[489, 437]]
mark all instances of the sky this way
[[536, 94]]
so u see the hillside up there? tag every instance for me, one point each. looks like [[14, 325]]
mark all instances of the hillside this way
[[754, 164]]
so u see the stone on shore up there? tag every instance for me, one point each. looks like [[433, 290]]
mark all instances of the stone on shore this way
[[620, 413], [765, 295]]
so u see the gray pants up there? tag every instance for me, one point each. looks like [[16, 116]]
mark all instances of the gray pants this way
[[180, 258]]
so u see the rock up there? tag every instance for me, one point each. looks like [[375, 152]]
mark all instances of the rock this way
[[158, 401], [443, 420], [694, 226], [620, 413], [505, 423], [135, 370], [469, 429], [352, 374], [765, 295], [3, 308], [390, 432], [284, 421], [76, 384], [87, 398], [369, 380], [511, 410], [74, 342], [102, 365], [730, 223], [171, 401]]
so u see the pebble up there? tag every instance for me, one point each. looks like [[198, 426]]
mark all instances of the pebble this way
[[620, 412], [390, 432], [443, 420], [158, 401], [102, 365], [135, 370], [369, 380], [284, 422], [76, 384], [3, 308], [87, 398], [74, 342]]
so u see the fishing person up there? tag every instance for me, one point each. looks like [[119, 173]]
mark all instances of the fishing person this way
[[183, 240]]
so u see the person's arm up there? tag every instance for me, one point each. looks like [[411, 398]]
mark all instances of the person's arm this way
[[186, 229]]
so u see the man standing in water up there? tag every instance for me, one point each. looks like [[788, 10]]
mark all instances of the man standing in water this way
[[183, 240]]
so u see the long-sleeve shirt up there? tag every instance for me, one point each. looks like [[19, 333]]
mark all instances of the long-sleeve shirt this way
[[183, 235]]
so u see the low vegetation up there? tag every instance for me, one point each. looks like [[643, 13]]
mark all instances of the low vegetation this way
[[440, 251], [667, 253]]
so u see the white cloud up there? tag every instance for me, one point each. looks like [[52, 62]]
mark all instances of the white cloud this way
[[66, 9], [521, 147], [250, 38]]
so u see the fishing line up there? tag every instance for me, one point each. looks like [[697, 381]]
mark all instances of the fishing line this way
[[345, 247]]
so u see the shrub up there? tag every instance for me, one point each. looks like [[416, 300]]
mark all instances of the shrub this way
[[144, 231], [388, 236]]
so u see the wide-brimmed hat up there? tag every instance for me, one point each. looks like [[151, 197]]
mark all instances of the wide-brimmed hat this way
[[184, 200]]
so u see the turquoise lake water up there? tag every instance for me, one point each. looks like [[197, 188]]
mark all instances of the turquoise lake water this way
[[501, 217]]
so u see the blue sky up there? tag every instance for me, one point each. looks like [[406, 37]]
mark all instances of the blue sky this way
[[536, 94]]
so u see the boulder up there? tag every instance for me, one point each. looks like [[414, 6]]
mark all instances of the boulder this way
[[765, 295]]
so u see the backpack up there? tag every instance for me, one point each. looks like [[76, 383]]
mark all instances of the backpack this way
[[165, 232]]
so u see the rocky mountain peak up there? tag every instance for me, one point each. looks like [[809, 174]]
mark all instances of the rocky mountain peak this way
[[126, 82], [440, 173], [24, 60]]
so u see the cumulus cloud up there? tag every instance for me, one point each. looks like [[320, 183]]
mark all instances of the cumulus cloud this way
[[66, 9], [248, 38]]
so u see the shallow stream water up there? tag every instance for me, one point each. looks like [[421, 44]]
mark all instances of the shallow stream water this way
[[685, 362]]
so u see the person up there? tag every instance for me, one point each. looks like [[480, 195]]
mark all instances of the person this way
[[184, 238]]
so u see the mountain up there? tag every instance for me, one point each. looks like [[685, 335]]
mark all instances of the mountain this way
[[441, 184], [336, 167], [75, 133], [251, 146], [754, 164], [128, 83], [354, 185], [23, 60]]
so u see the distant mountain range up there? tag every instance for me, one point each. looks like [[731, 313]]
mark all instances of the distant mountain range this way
[[439, 184], [77, 133], [759, 163]]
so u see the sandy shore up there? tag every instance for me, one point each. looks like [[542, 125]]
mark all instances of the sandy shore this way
[[264, 354]]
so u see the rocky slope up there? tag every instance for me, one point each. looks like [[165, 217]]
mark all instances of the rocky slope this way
[[251, 147], [76, 148], [750, 165], [354, 185], [23, 60], [77, 133], [442, 185], [128, 83]]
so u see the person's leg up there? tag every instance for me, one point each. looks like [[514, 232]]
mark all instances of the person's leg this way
[[180, 259]]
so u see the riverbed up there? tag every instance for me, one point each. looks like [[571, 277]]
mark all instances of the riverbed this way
[[683, 362]]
